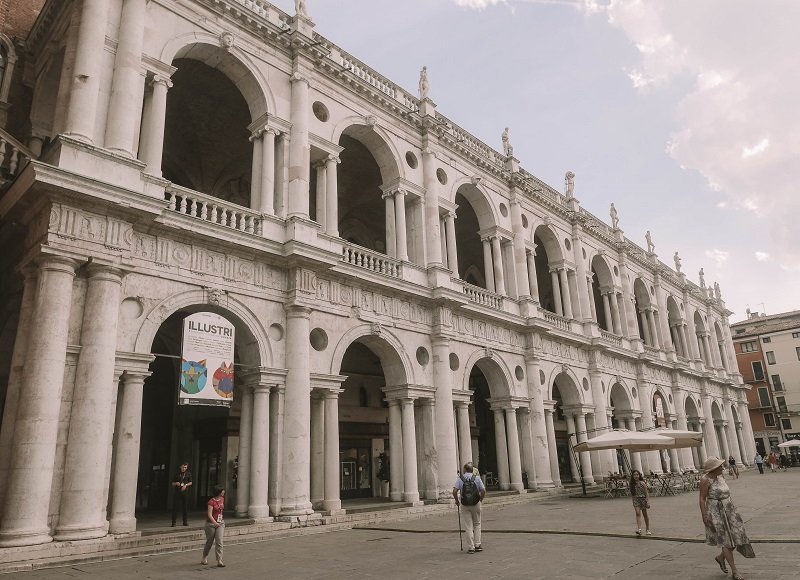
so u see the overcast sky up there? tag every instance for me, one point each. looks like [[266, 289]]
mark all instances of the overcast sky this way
[[682, 112]]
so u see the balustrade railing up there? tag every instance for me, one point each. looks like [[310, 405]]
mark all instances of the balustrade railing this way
[[213, 210], [13, 156], [556, 320], [651, 350], [611, 337], [371, 260], [482, 296]]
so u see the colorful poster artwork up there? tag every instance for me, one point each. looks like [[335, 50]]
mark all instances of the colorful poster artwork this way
[[206, 376]]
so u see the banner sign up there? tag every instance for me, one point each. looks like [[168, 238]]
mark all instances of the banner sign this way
[[206, 376]]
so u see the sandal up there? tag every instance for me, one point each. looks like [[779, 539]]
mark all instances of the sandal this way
[[721, 563]]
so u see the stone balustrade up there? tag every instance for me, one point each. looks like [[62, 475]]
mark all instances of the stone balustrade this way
[[559, 322], [371, 260], [610, 337], [482, 296], [260, 7], [213, 210], [651, 350], [13, 156]]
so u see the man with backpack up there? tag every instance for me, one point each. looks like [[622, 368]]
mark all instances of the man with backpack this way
[[468, 492]]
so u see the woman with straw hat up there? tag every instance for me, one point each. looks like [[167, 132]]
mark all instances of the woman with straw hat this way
[[724, 526]]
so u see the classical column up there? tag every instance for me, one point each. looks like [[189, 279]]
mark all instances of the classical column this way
[[431, 184], [332, 502], [153, 134], [722, 439], [521, 277], [259, 455], [82, 514], [565, 293], [332, 194], [391, 237], [730, 432], [602, 422], [245, 451], [488, 269], [30, 473], [427, 438], [124, 107], [450, 234], [740, 442], [540, 436], [586, 463], [87, 70], [709, 435], [674, 460], [396, 450], [320, 194], [443, 243], [556, 291], [747, 431], [400, 227], [683, 425], [277, 409], [526, 444], [571, 430], [317, 450], [297, 413], [411, 493], [512, 437], [256, 169], [464, 438], [443, 416], [651, 324], [592, 305], [267, 176], [497, 261], [636, 459], [501, 448], [533, 282], [282, 176], [647, 337], [510, 270], [299, 152], [552, 456], [611, 323]]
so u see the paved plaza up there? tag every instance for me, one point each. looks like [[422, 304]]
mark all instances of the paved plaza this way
[[560, 537]]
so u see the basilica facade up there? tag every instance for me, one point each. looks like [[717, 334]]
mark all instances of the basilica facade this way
[[405, 298]]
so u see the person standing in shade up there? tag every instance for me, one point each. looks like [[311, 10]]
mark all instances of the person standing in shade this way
[[732, 469], [724, 525], [215, 526], [180, 495], [759, 463], [773, 462], [641, 501], [784, 462], [469, 492]]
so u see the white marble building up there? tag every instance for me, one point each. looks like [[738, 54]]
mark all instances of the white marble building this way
[[396, 285]]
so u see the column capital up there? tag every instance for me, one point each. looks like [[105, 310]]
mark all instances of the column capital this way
[[161, 80], [334, 159], [256, 135], [298, 77], [388, 194], [57, 263], [105, 272]]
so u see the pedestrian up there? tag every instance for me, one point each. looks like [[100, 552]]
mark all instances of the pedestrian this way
[[215, 526], [641, 501], [773, 462], [759, 463], [732, 469], [469, 492], [724, 525], [783, 461], [180, 495]]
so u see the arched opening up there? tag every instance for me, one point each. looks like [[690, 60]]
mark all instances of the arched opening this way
[[699, 338], [641, 304], [473, 215], [548, 256], [675, 320], [566, 396], [622, 418], [693, 424], [719, 344], [44, 122], [603, 293], [719, 429]]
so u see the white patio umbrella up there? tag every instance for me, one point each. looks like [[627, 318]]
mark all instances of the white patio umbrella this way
[[790, 443], [630, 440], [682, 438]]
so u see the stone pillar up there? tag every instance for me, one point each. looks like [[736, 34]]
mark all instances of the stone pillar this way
[[126, 470], [514, 463], [615, 314], [332, 502], [709, 435], [87, 70], [282, 176], [332, 194], [124, 107], [267, 176], [443, 243], [747, 432], [431, 184], [722, 439], [733, 444], [391, 237], [256, 169], [510, 270], [450, 234], [610, 322], [586, 463], [651, 324], [552, 456], [259, 455], [153, 134], [540, 436], [571, 430], [299, 154], [488, 269], [556, 292], [647, 338], [430, 476], [522, 278], [277, 410], [636, 459], [580, 272], [574, 291], [565, 293], [497, 261], [400, 227], [526, 443], [396, 449], [245, 451], [82, 513], [297, 413], [320, 194], [317, 450], [533, 281], [501, 448], [411, 493], [30, 473], [592, 304], [674, 461], [608, 459], [683, 425], [443, 416], [464, 438], [740, 443]]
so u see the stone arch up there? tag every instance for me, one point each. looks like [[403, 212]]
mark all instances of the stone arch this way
[[641, 293], [397, 367], [603, 271], [8, 66], [234, 63], [254, 346], [699, 321], [494, 368], [661, 390], [620, 392], [734, 414], [673, 310], [691, 408], [479, 199], [716, 412], [568, 386], [377, 141], [549, 238]]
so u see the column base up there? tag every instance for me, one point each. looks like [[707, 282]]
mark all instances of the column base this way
[[263, 520], [68, 533], [312, 519], [518, 487], [332, 505], [588, 480], [396, 496], [14, 539], [258, 512], [412, 497], [504, 486], [122, 526], [544, 484]]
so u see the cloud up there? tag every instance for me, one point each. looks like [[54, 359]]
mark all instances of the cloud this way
[[763, 257], [587, 6], [478, 4], [719, 256], [756, 149]]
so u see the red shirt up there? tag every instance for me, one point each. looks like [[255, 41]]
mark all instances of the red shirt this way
[[217, 505]]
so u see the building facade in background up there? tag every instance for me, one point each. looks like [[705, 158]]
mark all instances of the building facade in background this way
[[768, 355], [400, 291]]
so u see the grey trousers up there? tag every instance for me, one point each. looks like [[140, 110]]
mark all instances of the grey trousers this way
[[472, 524], [214, 537]]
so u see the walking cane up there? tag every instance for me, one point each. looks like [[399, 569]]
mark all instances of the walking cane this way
[[460, 541]]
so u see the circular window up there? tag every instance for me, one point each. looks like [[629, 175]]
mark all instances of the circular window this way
[[320, 111], [131, 308], [616, 271], [454, 363], [519, 373], [441, 176], [633, 391], [422, 356], [411, 159], [524, 222], [567, 244], [541, 376], [503, 210], [276, 332], [319, 339], [585, 384]]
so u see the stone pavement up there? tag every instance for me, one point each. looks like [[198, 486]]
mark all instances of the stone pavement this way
[[560, 538]]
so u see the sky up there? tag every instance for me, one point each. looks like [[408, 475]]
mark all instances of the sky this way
[[684, 113]]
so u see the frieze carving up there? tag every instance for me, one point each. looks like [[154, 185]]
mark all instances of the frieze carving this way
[[69, 223], [619, 364], [488, 352], [561, 350], [376, 328], [215, 296], [658, 374], [363, 300], [486, 331]]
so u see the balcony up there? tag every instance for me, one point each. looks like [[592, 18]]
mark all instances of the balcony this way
[[213, 210], [371, 260], [610, 338], [482, 296]]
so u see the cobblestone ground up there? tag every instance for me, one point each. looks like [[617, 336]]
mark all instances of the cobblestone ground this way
[[556, 538]]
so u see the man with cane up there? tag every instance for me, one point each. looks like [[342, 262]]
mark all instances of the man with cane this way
[[468, 492]]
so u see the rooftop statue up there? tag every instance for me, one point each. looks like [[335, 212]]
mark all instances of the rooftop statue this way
[[300, 8], [677, 259], [569, 185], [508, 150], [423, 83], [650, 245], [614, 217], [702, 276]]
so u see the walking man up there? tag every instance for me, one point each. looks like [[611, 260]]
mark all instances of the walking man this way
[[468, 492], [180, 496], [759, 463]]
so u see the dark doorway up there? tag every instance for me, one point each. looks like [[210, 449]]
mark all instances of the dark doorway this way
[[484, 418]]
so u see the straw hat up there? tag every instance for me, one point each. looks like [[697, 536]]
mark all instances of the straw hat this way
[[712, 463]]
